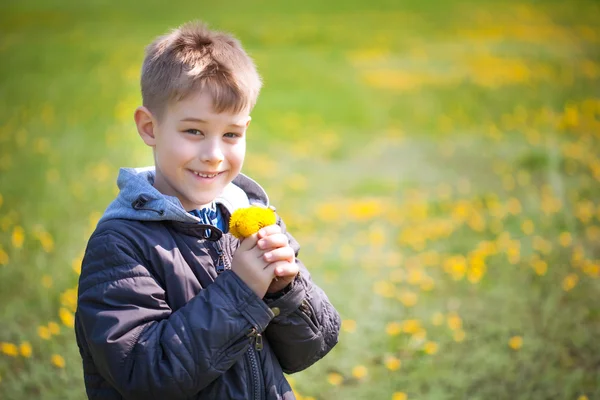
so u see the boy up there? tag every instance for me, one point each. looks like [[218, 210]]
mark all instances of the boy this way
[[170, 305]]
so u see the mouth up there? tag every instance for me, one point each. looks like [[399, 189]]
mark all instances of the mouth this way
[[206, 175]]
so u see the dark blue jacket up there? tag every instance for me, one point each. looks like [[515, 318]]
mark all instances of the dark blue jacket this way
[[156, 321]]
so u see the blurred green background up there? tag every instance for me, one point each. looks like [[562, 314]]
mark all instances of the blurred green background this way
[[438, 161]]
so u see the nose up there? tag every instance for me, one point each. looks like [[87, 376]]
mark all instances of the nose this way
[[211, 151]]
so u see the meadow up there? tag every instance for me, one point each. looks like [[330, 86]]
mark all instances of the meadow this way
[[439, 162]]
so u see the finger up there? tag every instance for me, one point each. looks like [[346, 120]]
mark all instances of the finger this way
[[283, 269], [273, 241], [248, 243], [269, 230], [280, 254]]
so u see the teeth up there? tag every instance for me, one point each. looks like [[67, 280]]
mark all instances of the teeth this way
[[205, 175]]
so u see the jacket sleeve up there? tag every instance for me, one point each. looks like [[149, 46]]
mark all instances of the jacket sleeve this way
[[307, 326], [142, 347]]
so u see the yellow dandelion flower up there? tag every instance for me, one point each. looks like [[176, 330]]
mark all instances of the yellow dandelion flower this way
[[527, 227], [3, 257], [392, 363], [54, 328], [359, 372], [247, 221], [46, 241], [415, 276], [411, 326], [593, 233], [475, 274], [430, 347], [459, 335], [592, 269], [540, 267], [76, 265], [515, 342], [454, 321], [582, 397], [348, 325], [25, 349], [365, 210], [384, 289], [68, 298], [335, 379], [399, 396], [57, 360], [565, 239], [9, 349], [18, 236], [569, 282], [43, 332], [66, 317], [407, 298], [393, 328]]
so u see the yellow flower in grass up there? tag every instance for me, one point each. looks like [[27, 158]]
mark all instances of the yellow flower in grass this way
[[431, 347], [393, 328], [43, 332], [335, 379], [392, 363], [247, 221], [54, 328], [18, 236], [565, 239], [459, 335], [399, 396], [359, 372], [25, 349], [57, 360], [9, 349], [66, 317], [515, 342], [349, 325], [569, 282], [3, 257]]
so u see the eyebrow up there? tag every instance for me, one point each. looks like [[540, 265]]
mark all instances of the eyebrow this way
[[191, 119]]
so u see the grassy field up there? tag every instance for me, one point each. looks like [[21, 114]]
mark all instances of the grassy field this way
[[438, 161]]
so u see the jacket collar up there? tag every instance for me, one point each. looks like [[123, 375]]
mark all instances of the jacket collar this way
[[139, 200]]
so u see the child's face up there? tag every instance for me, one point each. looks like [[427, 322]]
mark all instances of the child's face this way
[[197, 151]]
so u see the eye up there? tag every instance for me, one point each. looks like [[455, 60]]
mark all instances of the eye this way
[[232, 135], [194, 132]]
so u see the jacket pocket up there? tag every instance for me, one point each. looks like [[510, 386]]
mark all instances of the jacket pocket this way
[[238, 345], [307, 313]]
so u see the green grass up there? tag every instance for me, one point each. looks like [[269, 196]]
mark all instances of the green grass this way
[[391, 137]]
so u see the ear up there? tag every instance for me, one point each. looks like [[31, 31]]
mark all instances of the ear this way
[[146, 125], [248, 122]]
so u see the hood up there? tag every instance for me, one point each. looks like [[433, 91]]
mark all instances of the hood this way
[[139, 200]]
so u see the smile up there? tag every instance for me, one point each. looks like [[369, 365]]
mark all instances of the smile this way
[[206, 175]]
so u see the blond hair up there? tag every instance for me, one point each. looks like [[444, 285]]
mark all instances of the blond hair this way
[[193, 58]]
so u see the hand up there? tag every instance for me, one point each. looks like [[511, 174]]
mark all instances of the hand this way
[[279, 254], [249, 264]]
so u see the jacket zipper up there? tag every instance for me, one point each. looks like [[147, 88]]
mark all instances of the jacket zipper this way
[[254, 371], [254, 335], [221, 258]]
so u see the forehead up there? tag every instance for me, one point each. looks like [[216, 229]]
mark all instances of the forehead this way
[[200, 105]]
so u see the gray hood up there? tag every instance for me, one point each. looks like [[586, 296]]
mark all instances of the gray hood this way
[[139, 200]]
